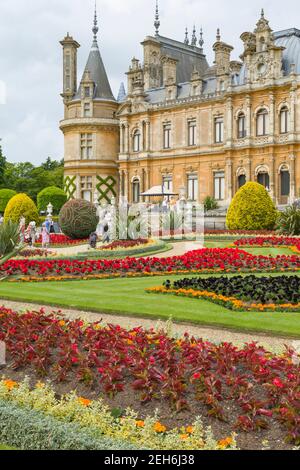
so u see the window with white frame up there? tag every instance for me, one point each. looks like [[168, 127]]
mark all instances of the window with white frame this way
[[219, 185], [192, 187], [136, 190], [167, 183], [262, 123], [241, 125], [219, 130], [284, 120], [167, 135], [86, 146], [86, 109], [86, 185], [192, 132], [137, 141]]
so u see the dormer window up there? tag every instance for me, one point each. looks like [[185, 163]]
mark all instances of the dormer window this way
[[262, 45], [86, 110], [87, 92]]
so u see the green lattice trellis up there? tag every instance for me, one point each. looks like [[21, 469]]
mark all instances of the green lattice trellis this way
[[106, 188], [70, 186]]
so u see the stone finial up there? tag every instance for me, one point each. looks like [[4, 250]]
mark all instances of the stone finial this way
[[95, 26], [194, 38], [218, 37], [186, 39], [157, 21], [262, 13], [201, 40]]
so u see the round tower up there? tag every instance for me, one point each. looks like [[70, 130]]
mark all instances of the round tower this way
[[91, 131]]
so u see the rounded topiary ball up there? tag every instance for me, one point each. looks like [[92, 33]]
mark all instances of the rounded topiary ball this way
[[78, 219], [21, 206], [251, 209], [5, 196], [52, 194]]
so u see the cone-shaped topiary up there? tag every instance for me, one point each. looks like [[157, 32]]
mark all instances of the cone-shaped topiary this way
[[52, 194], [5, 196], [21, 206], [251, 209], [78, 219]]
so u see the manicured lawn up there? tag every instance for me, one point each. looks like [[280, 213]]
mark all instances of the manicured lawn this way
[[128, 296], [3, 447]]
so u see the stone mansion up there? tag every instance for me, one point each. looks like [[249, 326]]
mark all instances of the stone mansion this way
[[192, 128]]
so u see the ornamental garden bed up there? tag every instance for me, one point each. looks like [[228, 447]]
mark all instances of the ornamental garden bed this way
[[249, 391], [61, 241], [242, 293], [206, 260]]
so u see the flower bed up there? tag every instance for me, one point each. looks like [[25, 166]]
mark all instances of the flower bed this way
[[199, 261], [250, 293], [243, 390], [35, 253], [124, 244], [269, 241], [60, 240]]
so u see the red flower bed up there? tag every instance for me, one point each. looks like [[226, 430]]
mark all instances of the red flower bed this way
[[269, 241], [249, 388], [125, 244], [61, 239], [204, 260]]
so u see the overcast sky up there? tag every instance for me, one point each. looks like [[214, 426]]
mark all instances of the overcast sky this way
[[31, 58]]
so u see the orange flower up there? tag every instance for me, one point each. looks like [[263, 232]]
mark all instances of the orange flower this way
[[190, 429], [158, 427], [10, 384], [184, 436], [140, 424], [84, 401], [225, 443], [62, 323]]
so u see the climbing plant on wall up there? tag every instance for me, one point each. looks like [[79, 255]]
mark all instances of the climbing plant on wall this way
[[70, 186], [106, 188]]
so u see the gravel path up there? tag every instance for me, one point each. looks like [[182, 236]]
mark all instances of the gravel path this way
[[216, 335]]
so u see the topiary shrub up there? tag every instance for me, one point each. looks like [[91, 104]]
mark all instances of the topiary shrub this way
[[251, 209], [78, 219], [21, 206], [5, 196], [52, 194]]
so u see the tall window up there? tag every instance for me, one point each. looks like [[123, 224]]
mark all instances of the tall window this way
[[219, 185], [136, 190], [219, 130], [241, 181], [192, 187], [86, 109], [241, 126], [167, 183], [86, 188], [167, 136], [137, 141], [86, 146], [263, 178], [87, 91], [285, 182], [192, 133], [284, 120], [68, 73], [262, 123]]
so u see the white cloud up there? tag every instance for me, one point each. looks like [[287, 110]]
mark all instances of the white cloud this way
[[30, 57]]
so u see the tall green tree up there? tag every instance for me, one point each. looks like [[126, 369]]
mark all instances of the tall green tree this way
[[2, 166]]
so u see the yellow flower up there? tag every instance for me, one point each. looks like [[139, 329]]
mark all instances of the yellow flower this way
[[84, 401], [40, 385]]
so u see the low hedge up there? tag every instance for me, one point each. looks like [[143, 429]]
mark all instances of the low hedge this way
[[30, 430]]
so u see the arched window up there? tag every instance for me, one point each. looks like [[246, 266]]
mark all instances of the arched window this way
[[136, 190], [241, 126], [241, 181], [285, 182], [262, 123], [284, 120], [262, 44], [263, 178], [137, 141]]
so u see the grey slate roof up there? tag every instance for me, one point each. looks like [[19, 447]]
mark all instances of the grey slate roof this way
[[98, 75], [121, 94]]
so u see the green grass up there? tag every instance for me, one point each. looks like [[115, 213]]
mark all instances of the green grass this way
[[4, 447], [128, 297]]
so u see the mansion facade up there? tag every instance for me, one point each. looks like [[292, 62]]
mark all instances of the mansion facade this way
[[192, 128]]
